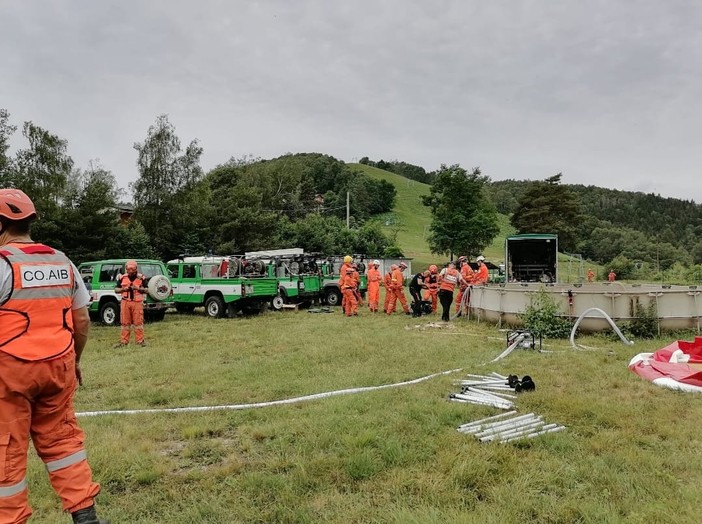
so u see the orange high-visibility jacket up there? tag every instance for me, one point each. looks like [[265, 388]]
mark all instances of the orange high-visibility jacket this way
[[348, 281], [136, 295], [449, 280], [467, 274], [482, 275], [373, 275], [37, 323], [387, 280], [397, 279], [342, 271]]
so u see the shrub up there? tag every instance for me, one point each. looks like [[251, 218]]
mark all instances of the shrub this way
[[645, 323], [543, 316]]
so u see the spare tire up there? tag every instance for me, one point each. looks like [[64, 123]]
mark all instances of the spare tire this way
[[159, 287]]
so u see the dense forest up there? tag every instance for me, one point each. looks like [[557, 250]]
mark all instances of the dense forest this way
[[641, 227]]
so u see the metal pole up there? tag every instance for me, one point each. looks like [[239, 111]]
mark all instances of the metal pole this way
[[348, 210]]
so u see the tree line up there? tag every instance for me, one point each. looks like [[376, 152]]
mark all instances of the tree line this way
[[296, 200]]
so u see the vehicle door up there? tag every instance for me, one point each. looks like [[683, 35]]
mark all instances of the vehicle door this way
[[189, 283]]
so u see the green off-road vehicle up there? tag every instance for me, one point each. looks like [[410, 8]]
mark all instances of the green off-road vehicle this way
[[101, 277]]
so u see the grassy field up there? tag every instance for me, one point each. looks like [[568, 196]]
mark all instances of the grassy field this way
[[629, 454]]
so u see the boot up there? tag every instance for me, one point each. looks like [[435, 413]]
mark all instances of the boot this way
[[87, 516]]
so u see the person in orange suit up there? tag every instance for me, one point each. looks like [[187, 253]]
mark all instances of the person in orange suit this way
[[481, 275], [432, 287], [357, 291], [468, 276], [397, 283], [590, 275], [44, 327], [389, 295], [132, 287], [612, 275], [348, 288], [373, 277], [348, 260]]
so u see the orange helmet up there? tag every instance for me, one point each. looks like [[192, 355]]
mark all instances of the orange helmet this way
[[16, 205], [433, 268]]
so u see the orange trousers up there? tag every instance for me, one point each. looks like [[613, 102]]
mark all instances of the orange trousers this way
[[397, 294], [432, 294], [373, 295], [131, 313], [350, 302], [36, 398]]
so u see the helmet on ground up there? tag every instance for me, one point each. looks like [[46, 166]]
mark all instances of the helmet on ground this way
[[433, 268], [16, 205], [130, 264], [376, 262], [393, 267], [403, 264], [348, 259], [481, 258]]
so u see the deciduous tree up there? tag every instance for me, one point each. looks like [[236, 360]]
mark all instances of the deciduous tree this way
[[463, 219], [168, 199]]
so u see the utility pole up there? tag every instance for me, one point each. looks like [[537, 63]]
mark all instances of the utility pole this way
[[348, 210]]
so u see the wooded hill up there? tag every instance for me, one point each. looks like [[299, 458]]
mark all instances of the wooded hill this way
[[638, 226]]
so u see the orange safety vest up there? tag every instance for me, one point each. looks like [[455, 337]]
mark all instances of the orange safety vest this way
[[449, 280], [137, 296], [36, 321]]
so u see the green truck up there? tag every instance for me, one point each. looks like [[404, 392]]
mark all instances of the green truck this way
[[214, 283], [227, 285]]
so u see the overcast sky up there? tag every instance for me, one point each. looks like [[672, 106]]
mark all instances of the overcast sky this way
[[609, 93]]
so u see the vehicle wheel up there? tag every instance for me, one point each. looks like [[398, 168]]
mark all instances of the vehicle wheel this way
[[277, 302], [214, 307], [155, 316], [332, 297], [109, 313], [159, 287], [185, 308]]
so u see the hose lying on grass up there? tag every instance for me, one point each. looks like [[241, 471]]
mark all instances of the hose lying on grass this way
[[266, 404]]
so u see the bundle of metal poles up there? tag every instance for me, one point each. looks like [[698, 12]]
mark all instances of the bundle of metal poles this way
[[487, 390], [508, 427]]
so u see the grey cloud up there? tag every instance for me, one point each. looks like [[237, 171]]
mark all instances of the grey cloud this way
[[605, 92]]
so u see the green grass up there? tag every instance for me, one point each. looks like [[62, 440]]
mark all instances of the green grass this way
[[629, 454]]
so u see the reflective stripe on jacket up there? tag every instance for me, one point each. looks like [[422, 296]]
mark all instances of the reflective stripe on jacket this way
[[449, 280], [36, 321]]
